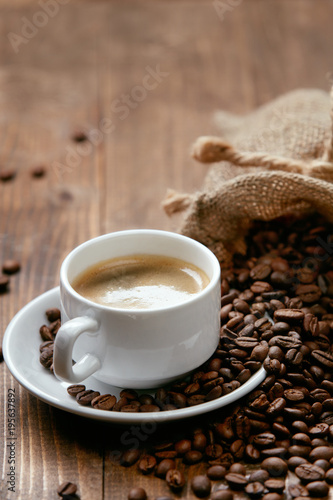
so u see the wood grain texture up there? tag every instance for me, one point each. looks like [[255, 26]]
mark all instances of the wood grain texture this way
[[78, 71]]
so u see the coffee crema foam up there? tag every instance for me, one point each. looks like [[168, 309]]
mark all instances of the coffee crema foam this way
[[141, 282]]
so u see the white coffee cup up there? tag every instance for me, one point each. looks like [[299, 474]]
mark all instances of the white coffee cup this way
[[137, 348]]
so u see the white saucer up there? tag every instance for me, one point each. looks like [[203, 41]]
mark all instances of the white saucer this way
[[21, 352]]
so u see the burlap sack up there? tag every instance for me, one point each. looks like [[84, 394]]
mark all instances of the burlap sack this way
[[280, 164]]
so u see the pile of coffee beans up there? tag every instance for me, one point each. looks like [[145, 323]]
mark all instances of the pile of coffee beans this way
[[277, 309]]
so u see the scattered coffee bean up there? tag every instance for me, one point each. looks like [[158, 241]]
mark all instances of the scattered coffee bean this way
[[309, 472], [38, 171], [175, 479], [53, 314], [236, 481], [201, 486], [7, 174], [222, 495], [104, 402], [137, 493], [79, 136], [216, 472], [11, 266], [164, 466], [317, 489], [147, 464], [4, 283], [73, 390], [255, 489], [66, 489], [130, 457], [84, 398]]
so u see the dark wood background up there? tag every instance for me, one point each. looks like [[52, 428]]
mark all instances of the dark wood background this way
[[69, 74]]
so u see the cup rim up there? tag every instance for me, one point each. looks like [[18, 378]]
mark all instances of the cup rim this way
[[198, 296]]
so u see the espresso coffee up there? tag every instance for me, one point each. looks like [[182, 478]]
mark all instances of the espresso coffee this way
[[140, 282]]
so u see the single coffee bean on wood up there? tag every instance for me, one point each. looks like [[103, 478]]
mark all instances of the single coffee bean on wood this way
[[201, 486], [11, 266], [66, 489], [137, 493]]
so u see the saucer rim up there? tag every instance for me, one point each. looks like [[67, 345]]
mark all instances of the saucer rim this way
[[52, 297]]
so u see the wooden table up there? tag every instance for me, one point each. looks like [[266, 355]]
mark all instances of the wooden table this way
[[157, 71]]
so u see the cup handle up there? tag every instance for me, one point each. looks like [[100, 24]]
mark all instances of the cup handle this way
[[63, 351]]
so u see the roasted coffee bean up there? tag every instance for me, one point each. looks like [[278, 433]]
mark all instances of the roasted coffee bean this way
[[252, 453], [272, 496], [48, 344], [129, 394], [192, 457], [201, 486], [319, 430], [75, 389], [137, 493], [130, 457], [217, 472], [177, 399], [260, 272], [236, 481], [163, 467], [104, 402], [299, 451], [79, 136], [309, 472], [7, 174], [147, 464], [11, 266], [317, 489], [264, 440], [46, 358], [183, 446], [4, 283], [323, 358], [130, 408], [120, 404], [84, 398], [322, 463], [295, 461], [276, 407], [299, 426], [255, 489], [222, 495], [259, 475], [38, 171], [46, 333], [300, 438], [175, 479], [196, 399], [280, 452], [329, 476], [53, 314], [275, 485], [290, 316], [308, 293], [149, 408], [297, 490], [238, 468], [259, 352], [325, 452], [67, 489], [275, 466], [199, 442], [237, 448], [213, 451], [260, 287]]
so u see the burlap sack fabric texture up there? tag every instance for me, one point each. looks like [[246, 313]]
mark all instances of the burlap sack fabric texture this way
[[273, 162]]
